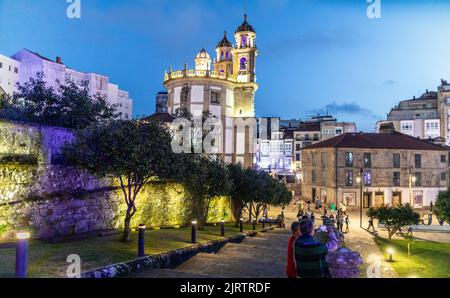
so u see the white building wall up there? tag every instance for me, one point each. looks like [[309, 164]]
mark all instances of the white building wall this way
[[197, 94], [9, 74], [54, 72]]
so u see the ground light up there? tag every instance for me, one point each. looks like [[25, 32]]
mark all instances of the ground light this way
[[194, 231], [390, 252], [22, 254], [241, 225], [141, 241]]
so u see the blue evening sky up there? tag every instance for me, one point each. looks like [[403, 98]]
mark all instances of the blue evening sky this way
[[313, 53]]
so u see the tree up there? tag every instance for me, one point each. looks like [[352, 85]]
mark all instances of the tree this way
[[255, 190], [205, 179], [395, 218], [130, 151], [442, 206], [69, 106]]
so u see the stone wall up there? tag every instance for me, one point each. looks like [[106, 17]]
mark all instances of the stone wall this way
[[38, 193]]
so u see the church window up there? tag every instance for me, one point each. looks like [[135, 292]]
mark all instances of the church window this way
[[184, 97], [243, 63], [215, 97], [244, 41]]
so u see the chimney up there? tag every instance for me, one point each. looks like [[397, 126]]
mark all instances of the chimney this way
[[58, 60], [387, 128]]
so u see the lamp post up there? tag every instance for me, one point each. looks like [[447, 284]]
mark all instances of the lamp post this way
[[141, 241], [359, 180], [194, 231], [254, 224], [22, 254], [222, 227], [241, 225], [412, 179]]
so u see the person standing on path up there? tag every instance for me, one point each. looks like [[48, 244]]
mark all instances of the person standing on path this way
[[310, 254], [291, 271], [347, 223]]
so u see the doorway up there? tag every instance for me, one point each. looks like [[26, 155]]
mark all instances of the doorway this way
[[379, 199], [396, 198], [367, 199]]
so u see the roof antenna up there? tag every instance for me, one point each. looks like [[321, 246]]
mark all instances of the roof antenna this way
[[245, 8]]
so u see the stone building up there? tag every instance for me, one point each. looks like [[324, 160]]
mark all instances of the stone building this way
[[425, 117], [227, 91], [387, 168]]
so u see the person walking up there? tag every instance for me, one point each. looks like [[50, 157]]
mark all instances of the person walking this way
[[310, 254], [291, 271], [347, 223], [371, 224], [341, 222], [332, 207]]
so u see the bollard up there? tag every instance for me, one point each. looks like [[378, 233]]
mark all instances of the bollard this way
[[194, 232], [264, 223], [141, 241], [222, 228], [22, 254], [241, 225], [254, 225]]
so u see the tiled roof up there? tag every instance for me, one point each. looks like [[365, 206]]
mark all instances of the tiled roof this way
[[161, 117], [393, 140]]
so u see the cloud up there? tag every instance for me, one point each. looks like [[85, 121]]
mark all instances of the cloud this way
[[314, 40], [346, 108], [390, 83]]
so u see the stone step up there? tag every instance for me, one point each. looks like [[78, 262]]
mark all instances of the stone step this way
[[253, 251], [238, 258], [229, 267], [168, 273]]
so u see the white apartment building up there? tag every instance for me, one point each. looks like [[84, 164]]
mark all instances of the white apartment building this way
[[9, 74], [31, 63], [425, 117]]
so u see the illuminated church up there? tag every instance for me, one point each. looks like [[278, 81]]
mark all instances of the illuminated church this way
[[225, 87]]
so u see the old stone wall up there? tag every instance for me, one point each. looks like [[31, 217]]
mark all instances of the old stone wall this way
[[39, 193]]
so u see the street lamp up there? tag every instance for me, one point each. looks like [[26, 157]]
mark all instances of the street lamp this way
[[359, 179], [412, 179]]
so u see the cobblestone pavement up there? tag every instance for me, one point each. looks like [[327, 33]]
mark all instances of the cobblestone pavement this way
[[262, 256]]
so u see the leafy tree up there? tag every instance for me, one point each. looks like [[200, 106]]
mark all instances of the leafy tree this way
[[255, 190], [395, 218], [69, 106], [205, 179], [442, 206], [132, 152]]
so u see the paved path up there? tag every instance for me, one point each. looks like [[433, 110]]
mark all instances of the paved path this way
[[263, 256]]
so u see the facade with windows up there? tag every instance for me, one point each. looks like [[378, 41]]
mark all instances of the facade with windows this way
[[386, 168], [425, 117], [9, 74], [31, 64], [226, 91], [275, 155]]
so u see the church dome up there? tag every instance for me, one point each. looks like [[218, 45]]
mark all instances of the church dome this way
[[224, 42], [245, 26], [203, 54]]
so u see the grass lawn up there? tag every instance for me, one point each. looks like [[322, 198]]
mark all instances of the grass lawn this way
[[49, 260], [428, 259]]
